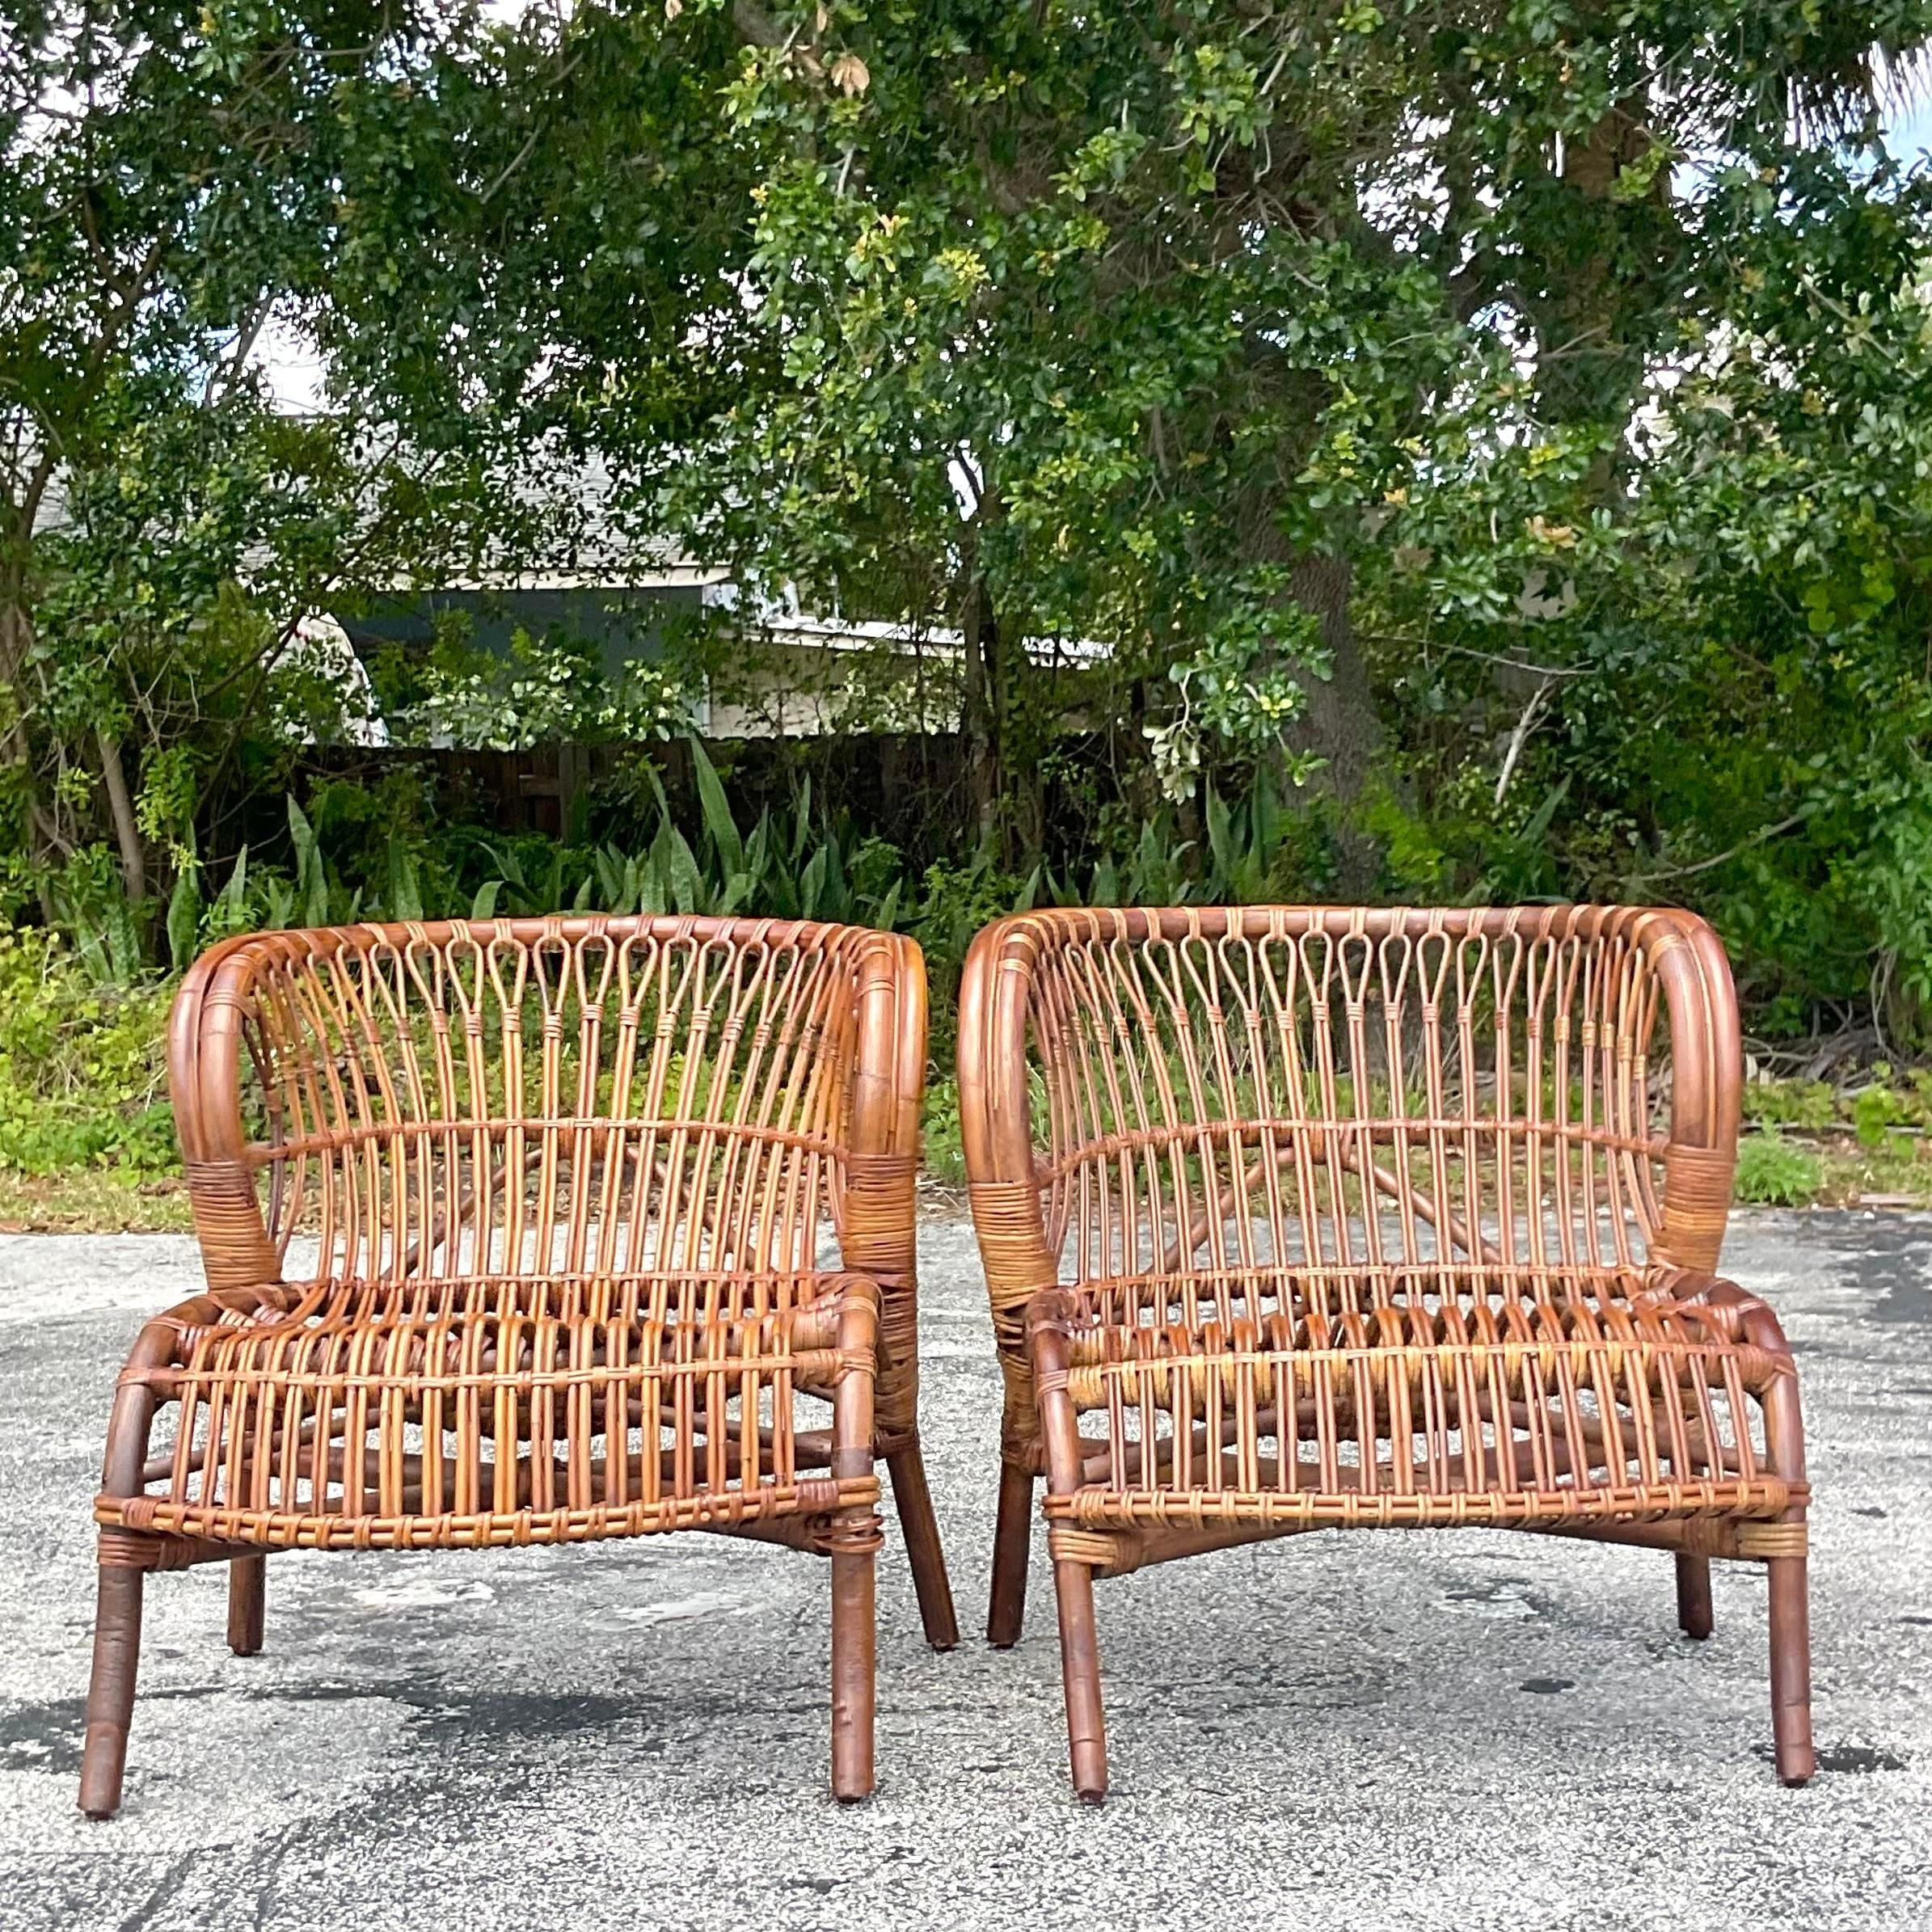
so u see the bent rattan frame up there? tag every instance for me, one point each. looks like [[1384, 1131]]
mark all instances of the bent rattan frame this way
[[571, 1186], [1296, 1218]]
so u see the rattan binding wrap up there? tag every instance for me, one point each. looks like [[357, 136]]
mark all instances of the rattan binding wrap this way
[[1302, 1217], [534, 1231]]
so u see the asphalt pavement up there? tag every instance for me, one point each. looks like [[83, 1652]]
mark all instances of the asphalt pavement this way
[[1463, 1730]]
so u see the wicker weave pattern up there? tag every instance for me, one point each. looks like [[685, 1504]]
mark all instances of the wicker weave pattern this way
[[455, 1102], [1297, 1217], [613, 1228], [551, 1380], [1552, 1398]]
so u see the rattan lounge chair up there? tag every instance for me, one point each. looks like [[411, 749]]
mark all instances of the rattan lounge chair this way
[[1307, 1218], [534, 1231]]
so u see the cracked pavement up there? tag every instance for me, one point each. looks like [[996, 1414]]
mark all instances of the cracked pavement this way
[[1460, 1730]]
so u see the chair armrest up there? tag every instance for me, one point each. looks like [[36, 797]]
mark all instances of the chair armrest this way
[[879, 1215], [1742, 1315], [207, 1044]]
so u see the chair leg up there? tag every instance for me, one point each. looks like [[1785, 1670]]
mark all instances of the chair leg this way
[[853, 1545], [921, 1529], [1080, 1670], [117, 1612], [1046, 1317], [1694, 1596], [247, 1578], [1012, 1532], [1792, 1669], [1788, 1575], [110, 1689], [852, 1674]]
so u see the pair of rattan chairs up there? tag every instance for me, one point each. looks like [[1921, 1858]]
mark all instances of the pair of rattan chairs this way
[[553, 1230]]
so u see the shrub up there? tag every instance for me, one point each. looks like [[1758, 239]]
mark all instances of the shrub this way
[[944, 1150], [83, 1079], [1775, 1104], [1876, 1109], [1776, 1172]]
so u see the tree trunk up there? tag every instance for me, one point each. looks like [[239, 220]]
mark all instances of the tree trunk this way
[[1341, 719], [1340, 725], [120, 809], [1587, 368], [980, 709], [1339, 722], [16, 632]]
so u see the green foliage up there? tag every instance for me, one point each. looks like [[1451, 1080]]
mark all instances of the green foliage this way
[[1232, 341], [1774, 1104], [82, 1076], [170, 184], [377, 852], [943, 1148], [1726, 669], [1870, 1139], [1418, 453], [956, 900], [545, 691], [90, 900], [1873, 1113], [809, 869], [1777, 1172]]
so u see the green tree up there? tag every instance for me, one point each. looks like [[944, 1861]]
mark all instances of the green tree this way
[[169, 184], [1129, 323], [1505, 417], [1724, 671]]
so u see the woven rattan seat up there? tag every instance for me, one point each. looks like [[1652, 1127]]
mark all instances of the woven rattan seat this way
[[1298, 1219], [1191, 1376], [535, 1369], [608, 1230]]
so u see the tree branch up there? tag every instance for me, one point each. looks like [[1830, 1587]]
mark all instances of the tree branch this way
[[1744, 844], [1524, 725]]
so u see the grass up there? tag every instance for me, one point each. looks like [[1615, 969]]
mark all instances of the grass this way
[[1834, 1170], [93, 1201], [1868, 1142], [86, 1139]]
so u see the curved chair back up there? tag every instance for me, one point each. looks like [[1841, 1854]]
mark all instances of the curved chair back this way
[[1205, 1090], [564, 1095]]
